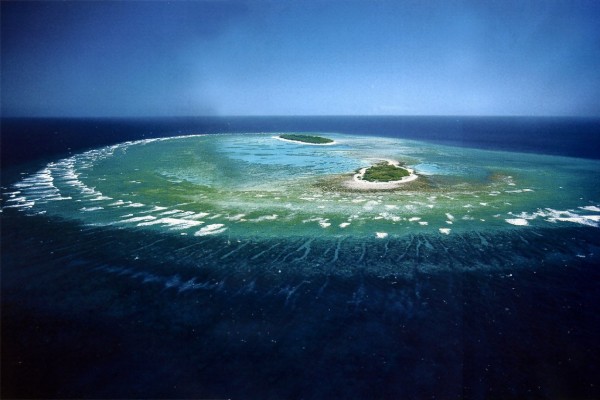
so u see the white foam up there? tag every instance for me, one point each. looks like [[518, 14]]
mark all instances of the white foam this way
[[381, 235], [591, 208], [101, 197], [323, 222], [389, 217], [413, 219], [138, 219], [88, 191], [186, 214], [589, 220], [449, 216], [59, 198], [175, 223], [554, 216], [370, 204], [445, 231], [517, 221], [264, 218], [17, 199], [197, 215], [37, 187], [171, 212], [154, 209], [344, 224], [423, 223], [87, 209], [519, 191], [25, 204], [212, 229]]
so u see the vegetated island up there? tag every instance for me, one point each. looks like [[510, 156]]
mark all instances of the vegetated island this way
[[384, 172], [383, 175], [307, 139]]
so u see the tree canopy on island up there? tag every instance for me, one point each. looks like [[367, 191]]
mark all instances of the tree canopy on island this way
[[306, 138], [384, 172]]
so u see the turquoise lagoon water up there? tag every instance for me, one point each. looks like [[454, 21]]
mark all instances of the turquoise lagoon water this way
[[253, 186]]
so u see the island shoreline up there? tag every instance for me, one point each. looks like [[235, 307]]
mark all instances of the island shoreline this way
[[300, 142], [358, 183]]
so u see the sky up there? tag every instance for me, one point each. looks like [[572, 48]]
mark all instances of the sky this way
[[261, 57]]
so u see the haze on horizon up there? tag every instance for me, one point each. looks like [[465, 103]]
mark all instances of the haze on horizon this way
[[534, 58]]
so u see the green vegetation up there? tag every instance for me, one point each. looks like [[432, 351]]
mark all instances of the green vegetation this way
[[384, 172], [306, 138]]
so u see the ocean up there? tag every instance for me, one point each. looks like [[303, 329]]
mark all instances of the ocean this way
[[202, 258]]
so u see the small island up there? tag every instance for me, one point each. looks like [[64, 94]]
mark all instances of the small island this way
[[385, 175], [384, 172], [308, 139]]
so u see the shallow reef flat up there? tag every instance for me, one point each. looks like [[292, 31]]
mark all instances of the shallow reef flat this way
[[251, 185]]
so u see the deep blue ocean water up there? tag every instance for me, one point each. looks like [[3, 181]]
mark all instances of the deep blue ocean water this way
[[93, 312]]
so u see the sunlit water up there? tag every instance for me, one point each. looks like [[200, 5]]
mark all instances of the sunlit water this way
[[243, 252]]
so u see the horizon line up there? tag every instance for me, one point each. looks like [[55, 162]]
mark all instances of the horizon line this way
[[296, 116]]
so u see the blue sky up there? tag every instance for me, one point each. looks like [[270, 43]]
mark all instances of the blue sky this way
[[300, 58]]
